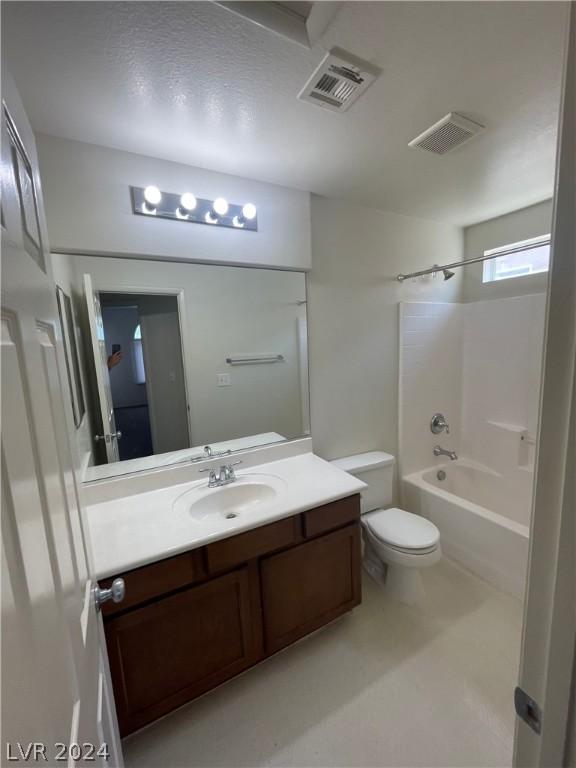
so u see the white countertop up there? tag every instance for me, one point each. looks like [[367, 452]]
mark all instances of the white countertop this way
[[135, 530]]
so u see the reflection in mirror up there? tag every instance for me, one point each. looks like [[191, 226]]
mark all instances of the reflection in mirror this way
[[184, 361]]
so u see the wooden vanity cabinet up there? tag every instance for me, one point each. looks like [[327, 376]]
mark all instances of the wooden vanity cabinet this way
[[190, 622], [308, 586], [172, 650]]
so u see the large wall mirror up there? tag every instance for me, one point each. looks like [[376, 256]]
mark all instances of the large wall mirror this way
[[183, 361]]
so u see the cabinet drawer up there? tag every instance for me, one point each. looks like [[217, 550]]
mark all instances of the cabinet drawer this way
[[246, 546], [331, 516], [156, 579], [309, 585]]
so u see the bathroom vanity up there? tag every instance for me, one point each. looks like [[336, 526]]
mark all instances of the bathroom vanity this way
[[190, 621]]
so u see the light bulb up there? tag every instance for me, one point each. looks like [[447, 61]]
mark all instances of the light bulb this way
[[181, 213], [152, 195], [220, 205], [210, 219], [249, 211], [188, 201], [147, 209], [238, 221]]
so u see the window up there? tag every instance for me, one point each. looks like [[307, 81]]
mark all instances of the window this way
[[528, 257], [139, 370]]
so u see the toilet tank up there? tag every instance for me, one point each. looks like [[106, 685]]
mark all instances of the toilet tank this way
[[376, 469]]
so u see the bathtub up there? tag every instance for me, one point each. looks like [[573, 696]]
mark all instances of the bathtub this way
[[491, 541]]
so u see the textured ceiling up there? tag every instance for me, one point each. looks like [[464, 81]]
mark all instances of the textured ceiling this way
[[194, 83]]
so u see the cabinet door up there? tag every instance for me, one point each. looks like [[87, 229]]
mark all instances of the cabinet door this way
[[166, 653], [309, 585]]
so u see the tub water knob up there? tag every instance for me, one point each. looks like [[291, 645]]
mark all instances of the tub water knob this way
[[439, 424]]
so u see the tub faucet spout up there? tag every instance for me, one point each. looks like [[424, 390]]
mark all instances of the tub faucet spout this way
[[439, 451]]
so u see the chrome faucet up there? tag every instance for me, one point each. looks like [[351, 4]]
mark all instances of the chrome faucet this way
[[224, 476], [439, 451], [210, 453]]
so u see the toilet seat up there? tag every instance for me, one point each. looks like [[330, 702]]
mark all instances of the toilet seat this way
[[402, 531]]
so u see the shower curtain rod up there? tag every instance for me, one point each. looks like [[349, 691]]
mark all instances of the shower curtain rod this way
[[465, 262]]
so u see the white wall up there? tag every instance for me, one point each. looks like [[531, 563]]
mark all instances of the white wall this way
[[511, 228], [89, 210], [227, 311], [353, 317]]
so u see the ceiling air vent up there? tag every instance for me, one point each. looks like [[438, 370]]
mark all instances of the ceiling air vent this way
[[339, 81], [447, 134]]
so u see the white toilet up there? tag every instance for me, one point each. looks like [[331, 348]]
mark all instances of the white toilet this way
[[397, 544]]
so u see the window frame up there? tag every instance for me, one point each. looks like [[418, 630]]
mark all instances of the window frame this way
[[489, 266]]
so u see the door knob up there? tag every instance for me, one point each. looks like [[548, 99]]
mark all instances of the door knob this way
[[108, 438], [115, 593]]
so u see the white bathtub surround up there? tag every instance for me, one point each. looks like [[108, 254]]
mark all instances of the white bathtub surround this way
[[480, 365], [370, 683], [430, 380], [129, 532], [464, 508], [501, 364]]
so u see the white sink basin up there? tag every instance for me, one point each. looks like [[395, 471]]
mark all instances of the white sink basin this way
[[230, 502]]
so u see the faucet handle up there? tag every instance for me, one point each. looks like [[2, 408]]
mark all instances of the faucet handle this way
[[439, 424], [227, 470]]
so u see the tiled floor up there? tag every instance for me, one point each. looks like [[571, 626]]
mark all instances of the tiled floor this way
[[386, 686]]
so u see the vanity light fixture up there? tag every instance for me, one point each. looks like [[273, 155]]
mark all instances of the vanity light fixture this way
[[152, 196], [185, 206], [248, 213], [220, 206]]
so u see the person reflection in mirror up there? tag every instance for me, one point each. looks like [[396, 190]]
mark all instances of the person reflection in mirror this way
[[114, 359]]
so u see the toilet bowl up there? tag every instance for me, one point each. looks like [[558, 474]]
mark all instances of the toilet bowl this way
[[397, 544]]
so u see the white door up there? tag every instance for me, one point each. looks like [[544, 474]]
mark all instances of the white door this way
[[546, 736], [56, 692], [110, 434]]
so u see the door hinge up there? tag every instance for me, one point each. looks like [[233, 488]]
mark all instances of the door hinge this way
[[528, 709]]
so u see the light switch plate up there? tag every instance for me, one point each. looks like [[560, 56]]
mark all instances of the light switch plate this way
[[223, 379]]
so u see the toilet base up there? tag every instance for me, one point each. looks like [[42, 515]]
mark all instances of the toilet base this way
[[405, 584], [401, 582], [373, 566]]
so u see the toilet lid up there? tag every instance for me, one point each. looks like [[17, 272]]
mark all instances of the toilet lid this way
[[402, 529]]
